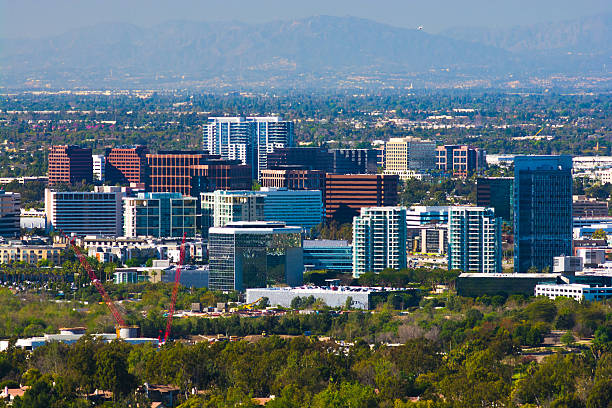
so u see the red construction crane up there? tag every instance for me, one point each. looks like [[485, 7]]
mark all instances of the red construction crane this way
[[96, 282], [177, 279]]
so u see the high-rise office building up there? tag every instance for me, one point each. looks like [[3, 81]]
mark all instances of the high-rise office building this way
[[354, 161], [460, 160], [254, 255], [192, 173], [408, 153], [379, 239], [99, 167], [496, 193], [346, 194], [70, 164], [248, 139], [296, 208], [171, 170], [10, 204], [159, 215], [305, 158], [95, 212], [272, 133], [219, 174], [127, 165], [474, 240], [542, 210], [220, 208], [293, 179]]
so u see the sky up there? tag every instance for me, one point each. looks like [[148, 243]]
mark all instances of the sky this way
[[40, 18]]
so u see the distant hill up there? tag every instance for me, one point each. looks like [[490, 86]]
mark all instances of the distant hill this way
[[585, 35], [322, 50]]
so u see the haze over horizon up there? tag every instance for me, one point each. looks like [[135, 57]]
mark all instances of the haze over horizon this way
[[33, 19]]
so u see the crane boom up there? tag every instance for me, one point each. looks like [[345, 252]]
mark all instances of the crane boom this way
[[96, 282], [177, 279]]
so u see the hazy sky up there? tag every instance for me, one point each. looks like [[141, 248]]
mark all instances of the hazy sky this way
[[36, 18]]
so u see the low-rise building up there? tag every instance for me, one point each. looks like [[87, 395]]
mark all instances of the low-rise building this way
[[329, 255], [30, 254], [333, 296], [491, 284], [574, 291]]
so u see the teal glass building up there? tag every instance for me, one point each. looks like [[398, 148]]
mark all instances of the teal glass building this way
[[542, 210]]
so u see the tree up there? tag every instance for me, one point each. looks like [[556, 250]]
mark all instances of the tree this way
[[599, 234], [567, 338], [112, 369], [347, 395], [600, 395]]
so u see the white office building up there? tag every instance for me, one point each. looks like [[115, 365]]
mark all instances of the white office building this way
[[379, 239], [221, 207], [99, 167], [97, 212], [248, 139], [299, 208], [575, 291], [474, 237]]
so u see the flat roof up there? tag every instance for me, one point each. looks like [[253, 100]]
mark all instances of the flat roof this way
[[510, 275]]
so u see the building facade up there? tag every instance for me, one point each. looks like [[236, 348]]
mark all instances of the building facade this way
[[496, 193], [10, 213], [460, 160], [583, 207], [254, 254], [329, 255], [86, 212], [248, 139], [218, 174], [99, 167], [305, 158], [30, 254], [170, 171], [354, 161], [474, 240], [220, 208], [296, 208], [127, 165], [408, 153], [159, 215], [70, 164], [346, 194], [293, 179], [379, 239], [542, 210]]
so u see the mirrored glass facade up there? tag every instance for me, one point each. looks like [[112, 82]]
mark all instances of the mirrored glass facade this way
[[244, 256]]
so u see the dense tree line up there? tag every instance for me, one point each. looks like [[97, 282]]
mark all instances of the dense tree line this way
[[465, 354]]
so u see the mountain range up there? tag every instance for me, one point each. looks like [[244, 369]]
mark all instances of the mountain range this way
[[317, 52]]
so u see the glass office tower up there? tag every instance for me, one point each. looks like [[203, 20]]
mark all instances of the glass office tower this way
[[254, 255], [542, 210]]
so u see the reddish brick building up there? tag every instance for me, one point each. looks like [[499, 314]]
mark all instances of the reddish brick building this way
[[70, 164], [346, 194], [191, 173], [127, 164]]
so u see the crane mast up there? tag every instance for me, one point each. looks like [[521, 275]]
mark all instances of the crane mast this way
[[177, 279]]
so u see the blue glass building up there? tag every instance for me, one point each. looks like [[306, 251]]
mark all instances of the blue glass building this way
[[542, 210], [330, 255]]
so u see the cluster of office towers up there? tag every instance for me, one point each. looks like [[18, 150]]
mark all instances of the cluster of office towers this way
[[537, 201]]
